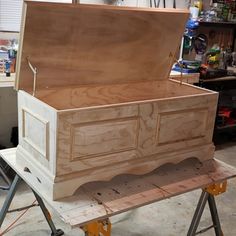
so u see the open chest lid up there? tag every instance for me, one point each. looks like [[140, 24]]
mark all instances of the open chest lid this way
[[69, 44]]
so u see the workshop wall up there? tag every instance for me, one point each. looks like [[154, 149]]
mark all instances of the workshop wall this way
[[140, 3], [8, 115]]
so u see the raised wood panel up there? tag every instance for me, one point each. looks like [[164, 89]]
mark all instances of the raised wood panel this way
[[192, 104], [35, 132], [102, 138], [40, 128], [176, 124], [91, 138], [181, 126]]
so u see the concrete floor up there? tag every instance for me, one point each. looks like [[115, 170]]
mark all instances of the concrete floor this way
[[166, 218]]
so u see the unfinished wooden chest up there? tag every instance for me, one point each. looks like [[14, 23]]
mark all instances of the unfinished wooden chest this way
[[94, 97]]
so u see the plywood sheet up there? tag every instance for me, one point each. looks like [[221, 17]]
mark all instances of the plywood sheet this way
[[91, 96], [87, 44]]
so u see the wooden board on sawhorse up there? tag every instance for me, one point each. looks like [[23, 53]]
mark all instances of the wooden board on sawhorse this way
[[103, 227], [101, 200]]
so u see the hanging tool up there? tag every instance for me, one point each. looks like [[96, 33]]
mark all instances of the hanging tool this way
[[174, 3], [155, 4], [200, 44]]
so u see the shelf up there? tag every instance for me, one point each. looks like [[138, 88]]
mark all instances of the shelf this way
[[226, 126], [225, 78], [218, 23]]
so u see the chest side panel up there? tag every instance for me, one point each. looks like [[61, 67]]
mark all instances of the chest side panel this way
[[95, 138]]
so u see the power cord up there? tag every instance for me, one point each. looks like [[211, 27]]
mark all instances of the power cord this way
[[17, 219]]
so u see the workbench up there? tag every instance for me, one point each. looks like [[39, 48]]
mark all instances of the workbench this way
[[100, 200]]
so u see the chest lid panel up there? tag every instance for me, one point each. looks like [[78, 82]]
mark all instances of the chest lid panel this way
[[87, 44]]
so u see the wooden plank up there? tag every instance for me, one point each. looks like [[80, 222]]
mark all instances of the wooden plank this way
[[99, 95], [99, 200], [87, 44]]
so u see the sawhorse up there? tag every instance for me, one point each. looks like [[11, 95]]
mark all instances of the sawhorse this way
[[103, 227], [9, 198], [208, 195]]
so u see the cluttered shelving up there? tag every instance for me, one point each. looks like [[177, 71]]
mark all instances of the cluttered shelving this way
[[208, 47], [8, 52], [8, 113]]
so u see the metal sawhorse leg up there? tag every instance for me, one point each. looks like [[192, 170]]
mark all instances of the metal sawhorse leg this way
[[6, 180], [208, 196], [9, 198]]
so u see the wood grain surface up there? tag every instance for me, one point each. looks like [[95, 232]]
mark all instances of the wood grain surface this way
[[85, 44], [99, 95]]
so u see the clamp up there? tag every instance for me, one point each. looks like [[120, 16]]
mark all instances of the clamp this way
[[98, 228], [208, 195], [216, 188]]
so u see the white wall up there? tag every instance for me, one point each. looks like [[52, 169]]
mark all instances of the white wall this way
[[10, 11], [141, 3]]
